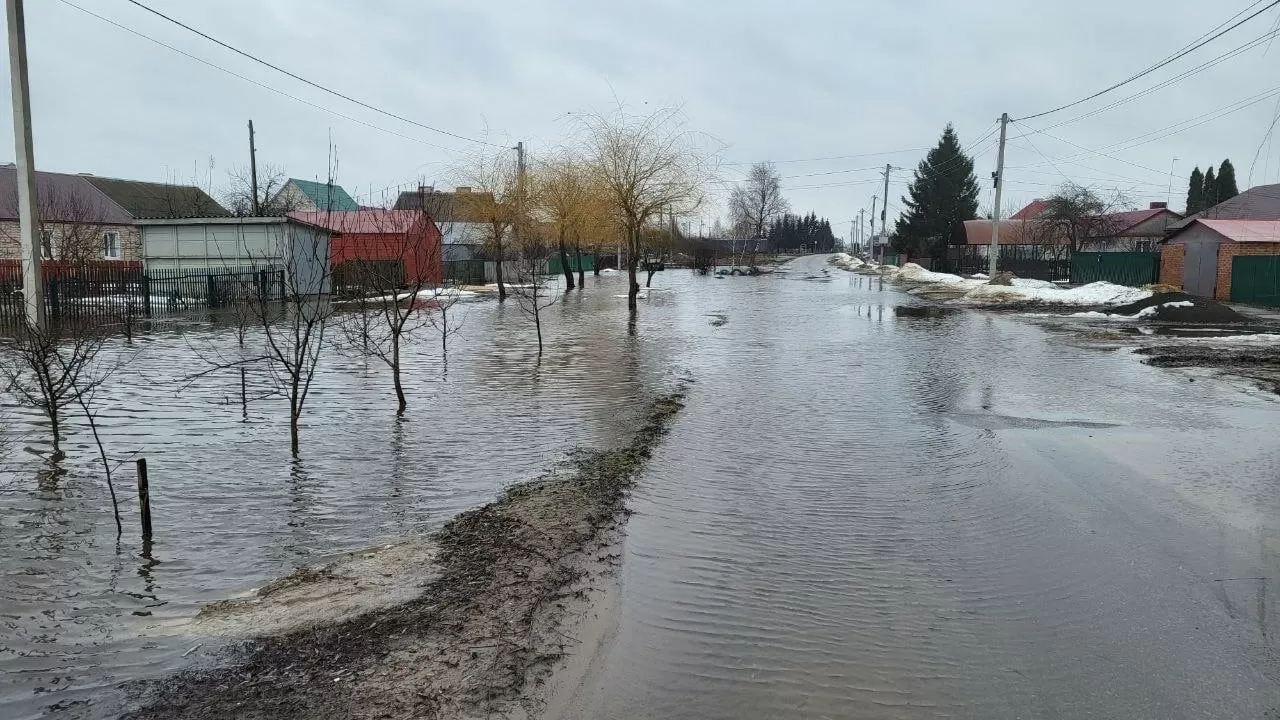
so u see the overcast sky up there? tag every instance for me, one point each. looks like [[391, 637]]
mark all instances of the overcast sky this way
[[782, 81]]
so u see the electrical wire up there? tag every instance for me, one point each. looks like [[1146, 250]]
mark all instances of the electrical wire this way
[[1196, 45], [313, 84], [251, 81]]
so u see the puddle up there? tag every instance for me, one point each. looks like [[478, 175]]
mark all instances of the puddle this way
[[984, 421]]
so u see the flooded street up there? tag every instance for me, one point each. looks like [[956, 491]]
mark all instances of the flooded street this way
[[868, 509]]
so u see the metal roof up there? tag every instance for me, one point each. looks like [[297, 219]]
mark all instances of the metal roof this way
[[361, 222], [158, 200], [1267, 231], [61, 197], [326, 196], [1256, 203]]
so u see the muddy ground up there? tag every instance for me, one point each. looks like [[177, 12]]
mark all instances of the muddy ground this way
[[481, 637]]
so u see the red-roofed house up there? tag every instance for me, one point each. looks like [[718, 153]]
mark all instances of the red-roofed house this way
[[1117, 232], [1033, 210], [1236, 260], [408, 238]]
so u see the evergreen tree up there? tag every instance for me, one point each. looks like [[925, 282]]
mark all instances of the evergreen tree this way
[[943, 194], [1195, 192], [1227, 181], [1210, 188]]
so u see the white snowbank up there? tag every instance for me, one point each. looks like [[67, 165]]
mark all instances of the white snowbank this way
[[1030, 283], [1098, 293], [912, 272], [845, 261], [608, 271], [1255, 339]]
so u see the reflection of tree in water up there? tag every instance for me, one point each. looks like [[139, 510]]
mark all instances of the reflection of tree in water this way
[[299, 511]]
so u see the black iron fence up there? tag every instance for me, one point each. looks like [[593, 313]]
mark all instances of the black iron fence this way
[[111, 291], [1041, 262]]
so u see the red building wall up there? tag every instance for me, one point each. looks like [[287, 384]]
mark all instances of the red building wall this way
[[419, 247]]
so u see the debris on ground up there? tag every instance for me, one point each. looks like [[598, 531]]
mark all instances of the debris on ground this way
[[1003, 277], [1176, 307], [482, 633]]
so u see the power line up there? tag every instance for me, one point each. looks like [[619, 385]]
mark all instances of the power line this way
[[251, 81], [1196, 45], [830, 157], [313, 84]]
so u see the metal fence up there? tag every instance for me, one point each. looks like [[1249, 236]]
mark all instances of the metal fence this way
[[465, 272], [1122, 268], [1041, 262], [110, 291]]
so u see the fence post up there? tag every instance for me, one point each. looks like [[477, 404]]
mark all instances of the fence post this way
[[144, 499], [52, 295], [146, 294]]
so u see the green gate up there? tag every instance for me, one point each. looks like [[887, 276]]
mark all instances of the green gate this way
[[464, 272], [555, 268], [1121, 268], [1256, 279]]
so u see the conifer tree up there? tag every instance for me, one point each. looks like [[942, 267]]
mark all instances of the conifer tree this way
[[943, 194], [1195, 192]]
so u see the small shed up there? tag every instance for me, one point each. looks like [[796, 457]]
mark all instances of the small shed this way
[[1237, 260], [230, 244]]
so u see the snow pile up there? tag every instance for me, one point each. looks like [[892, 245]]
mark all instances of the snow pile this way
[[1098, 293], [1029, 283], [1254, 339], [912, 272], [845, 261]]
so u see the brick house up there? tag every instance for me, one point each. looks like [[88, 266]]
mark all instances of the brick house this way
[[84, 218]]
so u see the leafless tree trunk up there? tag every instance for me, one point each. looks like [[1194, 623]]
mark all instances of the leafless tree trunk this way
[[755, 205]]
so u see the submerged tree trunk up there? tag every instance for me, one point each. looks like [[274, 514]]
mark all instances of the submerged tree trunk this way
[[582, 273], [502, 288], [295, 414], [633, 259], [564, 263], [395, 373]]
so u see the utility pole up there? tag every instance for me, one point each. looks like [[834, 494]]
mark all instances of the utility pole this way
[[994, 255], [862, 220], [1168, 198], [256, 205], [29, 242], [884, 210], [871, 244], [519, 193]]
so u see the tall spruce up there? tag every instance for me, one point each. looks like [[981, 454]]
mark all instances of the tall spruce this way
[[1195, 192], [942, 195], [1227, 181], [1210, 188]]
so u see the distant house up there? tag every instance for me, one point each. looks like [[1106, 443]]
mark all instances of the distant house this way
[[1130, 230], [84, 218], [410, 240], [310, 196], [464, 216], [1257, 203]]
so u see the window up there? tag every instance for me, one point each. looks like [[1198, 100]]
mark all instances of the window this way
[[46, 245], [111, 245]]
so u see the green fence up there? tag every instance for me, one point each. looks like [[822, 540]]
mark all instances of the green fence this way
[[892, 259], [1256, 279], [555, 268], [1121, 268]]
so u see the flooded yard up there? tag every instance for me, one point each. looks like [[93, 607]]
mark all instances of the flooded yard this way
[[867, 508]]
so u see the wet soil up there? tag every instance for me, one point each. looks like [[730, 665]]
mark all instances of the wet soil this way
[[483, 632], [1258, 364], [1201, 310]]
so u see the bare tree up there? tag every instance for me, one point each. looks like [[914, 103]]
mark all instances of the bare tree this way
[[534, 290], [647, 165], [561, 196], [56, 367], [754, 205], [1076, 217], [492, 196], [238, 194], [397, 284]]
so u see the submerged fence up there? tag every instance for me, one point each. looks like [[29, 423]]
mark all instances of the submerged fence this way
[[110, 291]]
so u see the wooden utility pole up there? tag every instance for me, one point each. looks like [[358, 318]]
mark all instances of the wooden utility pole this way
[[993, 255], [253, 174], [29, 240]]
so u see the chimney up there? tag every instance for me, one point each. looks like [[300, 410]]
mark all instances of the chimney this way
[[463, 189], [1159, 206]]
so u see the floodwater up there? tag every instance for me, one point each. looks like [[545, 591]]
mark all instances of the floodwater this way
[[868, 509]]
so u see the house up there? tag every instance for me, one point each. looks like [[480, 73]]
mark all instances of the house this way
[[1236, 260], [407, 238], [296, 250], [1257, 203], [464, 216], [310, 196], [83, 217], [1127, 231]]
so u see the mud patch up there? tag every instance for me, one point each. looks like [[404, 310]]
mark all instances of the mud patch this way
[[1179, 307], [478, 639], [1258, 364]]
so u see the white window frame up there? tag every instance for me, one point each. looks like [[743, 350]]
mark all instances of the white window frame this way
[[108, 245], [49, 242]]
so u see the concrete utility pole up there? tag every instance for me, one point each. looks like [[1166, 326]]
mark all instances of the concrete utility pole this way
[[1168, 198], [862, 220], [516, 227], [29, 242], [871, 244], [884, 210], [994, 255], [253, 174]]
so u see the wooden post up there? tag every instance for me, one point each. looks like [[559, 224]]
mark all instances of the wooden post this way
[[146, 294], [144, 498], [244, 399]]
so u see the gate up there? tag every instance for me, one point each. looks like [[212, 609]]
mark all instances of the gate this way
[[1200, 268], [1121, 268], [1256, 279]]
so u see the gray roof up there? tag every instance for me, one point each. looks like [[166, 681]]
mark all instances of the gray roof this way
[[158, 200], [61, 198], [1256, 203]]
